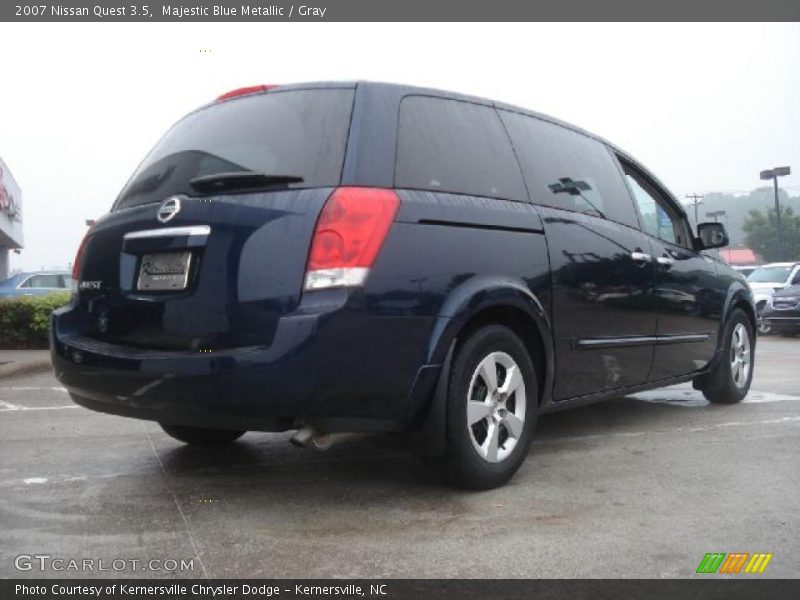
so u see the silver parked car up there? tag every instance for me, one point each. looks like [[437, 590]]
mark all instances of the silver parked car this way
[[35, 284], [766, 280]]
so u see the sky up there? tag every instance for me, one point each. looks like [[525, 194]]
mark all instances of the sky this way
[[704, 106]]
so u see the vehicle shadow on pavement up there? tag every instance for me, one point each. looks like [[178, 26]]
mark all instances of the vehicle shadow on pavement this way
[[263, 458], [271, 459]]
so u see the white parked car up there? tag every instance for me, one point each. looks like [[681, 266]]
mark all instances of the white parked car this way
[[766, 280]]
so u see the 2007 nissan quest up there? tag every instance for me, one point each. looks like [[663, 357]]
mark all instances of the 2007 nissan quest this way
[[362, 257]]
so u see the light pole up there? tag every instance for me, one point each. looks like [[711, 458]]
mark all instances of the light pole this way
[[774, 174]]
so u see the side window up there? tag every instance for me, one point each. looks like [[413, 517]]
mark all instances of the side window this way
[[568, 170], [454, 146], [43, 281], [796, 278], [659, 219]]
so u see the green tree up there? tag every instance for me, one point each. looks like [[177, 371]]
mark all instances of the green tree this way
[[761, 234]]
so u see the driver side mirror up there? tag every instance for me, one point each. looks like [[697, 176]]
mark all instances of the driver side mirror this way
[[711, 235]]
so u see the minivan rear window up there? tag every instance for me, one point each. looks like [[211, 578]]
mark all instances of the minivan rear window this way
[[301, 133], [454, 146]]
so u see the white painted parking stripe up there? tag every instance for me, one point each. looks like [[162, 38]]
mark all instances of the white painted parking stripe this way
[[57, 479], [33, 389], [8, 407], [692, 398], [650, 432], [757, 397], [31, 480]]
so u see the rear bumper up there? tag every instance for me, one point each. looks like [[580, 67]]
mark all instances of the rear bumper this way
[[340, 370]]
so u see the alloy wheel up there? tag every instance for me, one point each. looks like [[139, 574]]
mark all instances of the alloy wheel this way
[[496, 407], [740, 355]]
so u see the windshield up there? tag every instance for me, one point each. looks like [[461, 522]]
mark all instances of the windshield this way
[[769, 275], [300, 133]]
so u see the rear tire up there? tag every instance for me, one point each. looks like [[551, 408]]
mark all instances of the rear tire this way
[[199, 436], [491, 409], [731, 378]]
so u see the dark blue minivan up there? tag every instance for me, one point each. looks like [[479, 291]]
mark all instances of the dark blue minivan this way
[[363, 257]]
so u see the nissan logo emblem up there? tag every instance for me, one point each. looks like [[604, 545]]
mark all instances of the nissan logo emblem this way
[[168, 209]]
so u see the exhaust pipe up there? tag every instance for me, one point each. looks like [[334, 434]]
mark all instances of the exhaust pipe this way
[[303, 436], [308, 437]]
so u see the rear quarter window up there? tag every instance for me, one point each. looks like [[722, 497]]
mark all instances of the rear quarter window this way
[[296, 132], [454, 146], [568, 170]]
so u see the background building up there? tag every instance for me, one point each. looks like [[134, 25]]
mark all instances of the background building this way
[[10, 217]]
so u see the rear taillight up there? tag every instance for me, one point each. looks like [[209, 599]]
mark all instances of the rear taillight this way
[[76, 266], [349, 234], [244, 91]]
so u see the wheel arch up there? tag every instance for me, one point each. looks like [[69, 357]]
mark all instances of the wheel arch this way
[[482, 301], [739, 296], [525, 327], [501, 300]]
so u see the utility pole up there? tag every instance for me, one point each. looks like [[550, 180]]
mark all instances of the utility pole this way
[[695, 201]]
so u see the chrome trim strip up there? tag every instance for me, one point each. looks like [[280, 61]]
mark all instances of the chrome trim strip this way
[[641, 340], [616, 342], [169, 232], [676, 339]]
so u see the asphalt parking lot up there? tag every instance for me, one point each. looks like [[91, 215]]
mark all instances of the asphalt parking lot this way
[[641, 486]]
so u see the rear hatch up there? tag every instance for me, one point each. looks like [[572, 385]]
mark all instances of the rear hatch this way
[[206, 246]]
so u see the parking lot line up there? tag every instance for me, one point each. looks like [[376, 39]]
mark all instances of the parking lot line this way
[[33, 389], [177, 505], [9, 407], [695, 429]]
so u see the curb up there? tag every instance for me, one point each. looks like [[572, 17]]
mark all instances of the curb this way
[[24, 368]]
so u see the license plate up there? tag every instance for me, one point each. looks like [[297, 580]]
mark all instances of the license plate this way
[[164, 271]]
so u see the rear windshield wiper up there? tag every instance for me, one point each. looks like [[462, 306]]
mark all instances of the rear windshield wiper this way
[[240, 180]]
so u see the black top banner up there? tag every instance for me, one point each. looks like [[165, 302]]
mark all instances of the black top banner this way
[[401, 10]]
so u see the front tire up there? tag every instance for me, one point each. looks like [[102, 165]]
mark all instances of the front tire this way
[[731, 378], [491, 409], [200, 436]]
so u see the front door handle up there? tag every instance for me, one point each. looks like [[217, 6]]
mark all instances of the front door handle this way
[[641, 257], [665, 261]]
